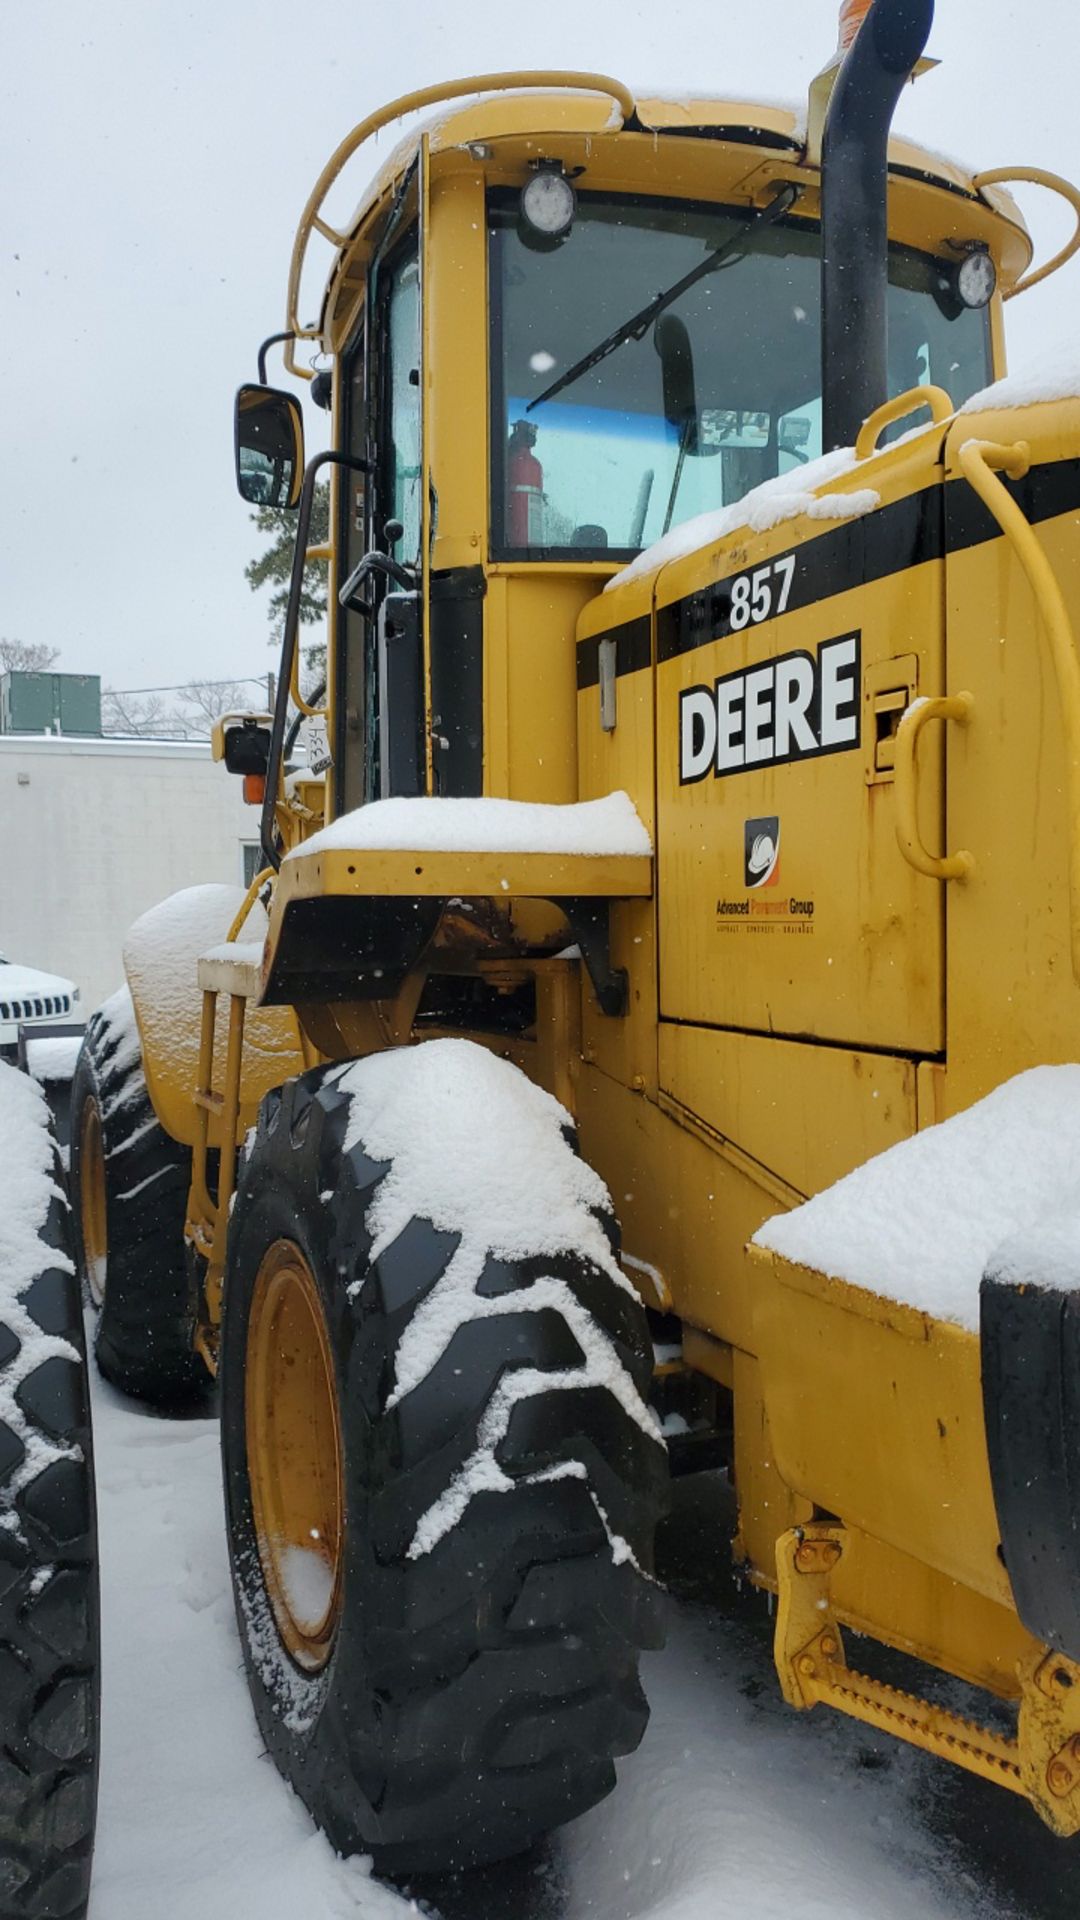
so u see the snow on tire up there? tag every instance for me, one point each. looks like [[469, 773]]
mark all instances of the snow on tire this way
[[442, 1649], [48, 1534], [129, 1182]]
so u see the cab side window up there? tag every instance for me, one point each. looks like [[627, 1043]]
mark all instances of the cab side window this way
[[401, 420]]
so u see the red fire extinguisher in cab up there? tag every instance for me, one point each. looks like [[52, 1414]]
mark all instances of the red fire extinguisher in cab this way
[[524, 488]]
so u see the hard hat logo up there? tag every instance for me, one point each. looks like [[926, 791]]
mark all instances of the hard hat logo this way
[[762, 852]]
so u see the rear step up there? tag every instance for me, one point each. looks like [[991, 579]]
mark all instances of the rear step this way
[[1042, 1763]]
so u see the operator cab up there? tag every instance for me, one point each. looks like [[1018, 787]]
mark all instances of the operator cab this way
[[561, 324]]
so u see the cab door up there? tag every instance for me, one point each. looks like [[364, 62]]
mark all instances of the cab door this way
[[380, 629]]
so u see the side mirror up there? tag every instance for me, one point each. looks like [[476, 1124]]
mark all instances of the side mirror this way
[[269, 447]]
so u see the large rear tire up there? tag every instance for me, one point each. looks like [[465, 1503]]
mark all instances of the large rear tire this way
[[129, 1184], [442, 1587], [48, 1570]]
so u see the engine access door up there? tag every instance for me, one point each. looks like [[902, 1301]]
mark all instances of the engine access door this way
[[784, 662]]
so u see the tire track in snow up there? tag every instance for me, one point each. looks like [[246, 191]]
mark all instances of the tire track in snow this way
[[733, 1805]]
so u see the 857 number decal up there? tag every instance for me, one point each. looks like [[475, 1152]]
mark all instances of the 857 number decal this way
[[762, 594]]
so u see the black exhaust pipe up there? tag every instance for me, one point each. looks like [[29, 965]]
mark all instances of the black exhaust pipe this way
[[854, 222]]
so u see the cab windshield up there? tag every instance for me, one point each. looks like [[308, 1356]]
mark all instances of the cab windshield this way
[[721, 392]]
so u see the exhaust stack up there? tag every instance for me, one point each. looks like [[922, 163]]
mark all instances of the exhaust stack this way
[[887, 46]]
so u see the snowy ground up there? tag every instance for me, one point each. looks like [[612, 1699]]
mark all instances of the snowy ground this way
[[734, 1805]]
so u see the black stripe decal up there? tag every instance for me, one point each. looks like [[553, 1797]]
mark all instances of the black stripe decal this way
[[856, 553], [853, 554], [1043, 494], [633, 649]]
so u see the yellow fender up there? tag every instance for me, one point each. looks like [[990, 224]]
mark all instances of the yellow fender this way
[[161, 955]]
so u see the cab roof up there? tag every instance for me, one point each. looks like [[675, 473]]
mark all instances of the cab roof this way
[[777, 126], [503, 121]]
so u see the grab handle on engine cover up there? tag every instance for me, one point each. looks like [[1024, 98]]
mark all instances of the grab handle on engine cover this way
[[981, 461], [948, 866], [898, 408]]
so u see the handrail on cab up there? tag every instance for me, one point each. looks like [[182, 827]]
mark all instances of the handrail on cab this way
[[981, 462], [898, 408], [1053, 182], [413, 102]]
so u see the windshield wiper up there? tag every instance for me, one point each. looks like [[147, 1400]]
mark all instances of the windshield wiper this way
[[639, 323]]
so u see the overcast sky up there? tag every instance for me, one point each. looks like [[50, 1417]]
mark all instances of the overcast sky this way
[[155, 156]]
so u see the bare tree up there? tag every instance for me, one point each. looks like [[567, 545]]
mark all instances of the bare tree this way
[[144, 716], [204, 701], [27, 656], [188, 714]]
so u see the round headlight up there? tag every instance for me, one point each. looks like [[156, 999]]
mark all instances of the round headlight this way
[[976, 278], [547, 203]]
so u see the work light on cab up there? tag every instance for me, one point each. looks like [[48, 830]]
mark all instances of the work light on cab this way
[[548, 203], [976, 278]]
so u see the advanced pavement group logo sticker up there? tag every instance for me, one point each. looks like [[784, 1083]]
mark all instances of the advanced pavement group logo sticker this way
[[761, 852], [775, 913]]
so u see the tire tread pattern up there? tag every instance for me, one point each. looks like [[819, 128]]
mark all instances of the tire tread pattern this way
[[504, 1661], [145, 1327], [49, 1617]]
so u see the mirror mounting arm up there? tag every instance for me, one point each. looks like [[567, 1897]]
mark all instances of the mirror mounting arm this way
[[272, 340], [288, 639]]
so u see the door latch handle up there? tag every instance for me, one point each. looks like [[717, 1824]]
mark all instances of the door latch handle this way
[[949, 866]]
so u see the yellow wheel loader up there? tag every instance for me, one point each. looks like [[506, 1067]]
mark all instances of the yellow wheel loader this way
[[688, 835]]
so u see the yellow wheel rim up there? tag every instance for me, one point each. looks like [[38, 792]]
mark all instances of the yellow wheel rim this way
[[294, 1454], [92, 1203]]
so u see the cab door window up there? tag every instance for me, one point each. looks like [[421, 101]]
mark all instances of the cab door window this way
[[383, 425], [401, 423]]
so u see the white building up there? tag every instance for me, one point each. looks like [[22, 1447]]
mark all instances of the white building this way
[[92, 832]]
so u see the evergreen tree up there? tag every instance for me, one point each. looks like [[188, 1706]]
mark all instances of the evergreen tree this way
[[274, 566]]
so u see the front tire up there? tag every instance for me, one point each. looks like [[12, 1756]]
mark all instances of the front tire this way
[[129, 1184], [442, 1582]]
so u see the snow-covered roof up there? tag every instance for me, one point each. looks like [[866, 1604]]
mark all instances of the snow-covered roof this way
[[996, 1187], [124, 746]]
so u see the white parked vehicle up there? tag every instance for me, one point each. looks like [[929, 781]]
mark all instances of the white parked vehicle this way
[[30, 997]]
